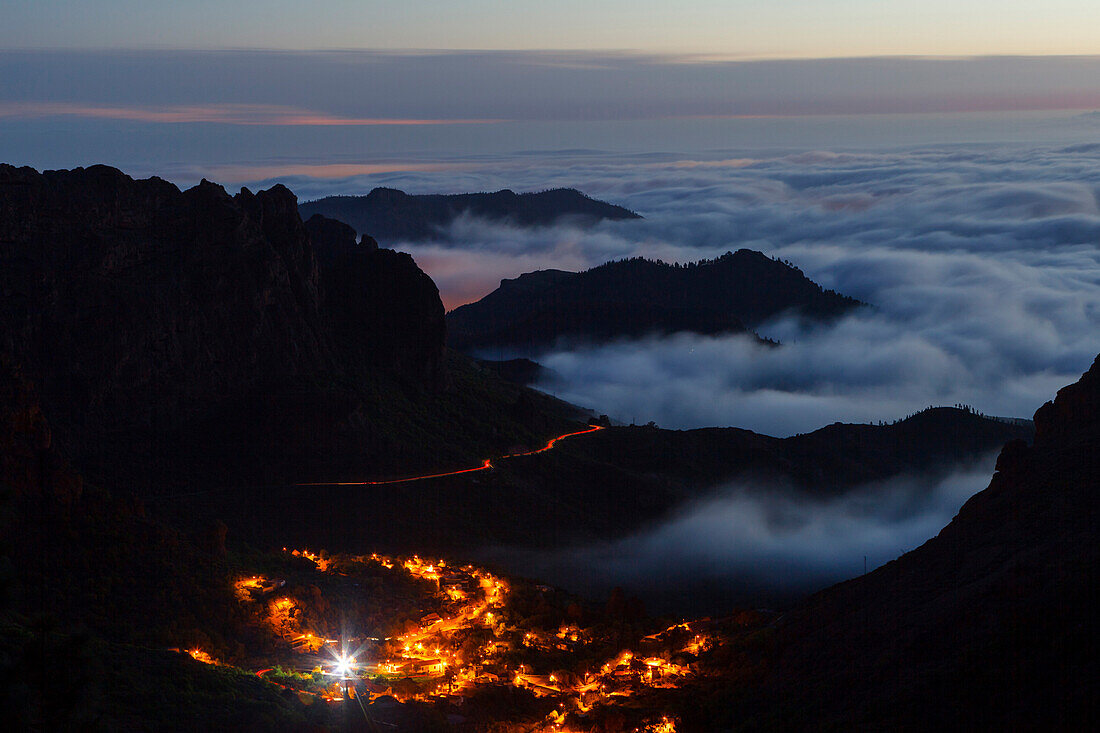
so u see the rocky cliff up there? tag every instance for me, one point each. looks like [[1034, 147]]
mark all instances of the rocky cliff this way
[[201, 337], [384, 310]]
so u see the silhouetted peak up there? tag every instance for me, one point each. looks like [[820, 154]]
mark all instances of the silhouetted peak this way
[[385, 194], [638, 297], [205, 184], [326, 231], [331, 238], [537, 279], [1073, 417]]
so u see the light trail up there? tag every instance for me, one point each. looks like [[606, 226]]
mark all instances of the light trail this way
[[550, 445], [483, 467], [488, 464]]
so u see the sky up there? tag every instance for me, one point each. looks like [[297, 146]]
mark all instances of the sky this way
[[238, 116], [738, 28]]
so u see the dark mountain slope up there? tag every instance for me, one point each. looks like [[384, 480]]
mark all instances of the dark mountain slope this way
[[637, 297], [391, 215], [607, 485], [92, 592], [363, 284], [193, 337], [987, 626]]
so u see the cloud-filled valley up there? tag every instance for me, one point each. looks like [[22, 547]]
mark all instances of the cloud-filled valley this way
[[756, 542], [981, 265]]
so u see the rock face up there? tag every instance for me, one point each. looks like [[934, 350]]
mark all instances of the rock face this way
[[29, 464], [149, 316], [392, 215], [989, 625], [638, 297], [384, 311]]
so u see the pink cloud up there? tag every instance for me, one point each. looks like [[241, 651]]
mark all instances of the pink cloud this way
[[228, 114]]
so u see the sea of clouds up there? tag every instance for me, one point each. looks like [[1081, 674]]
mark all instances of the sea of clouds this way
[[980, 265]]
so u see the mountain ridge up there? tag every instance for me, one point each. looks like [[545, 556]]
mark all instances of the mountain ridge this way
[[637, 297], [390, 215]]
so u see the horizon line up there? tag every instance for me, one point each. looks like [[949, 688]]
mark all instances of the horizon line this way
[[701, 57]]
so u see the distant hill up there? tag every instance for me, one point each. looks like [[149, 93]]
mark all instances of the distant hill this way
[[637, 297], [390, 215]]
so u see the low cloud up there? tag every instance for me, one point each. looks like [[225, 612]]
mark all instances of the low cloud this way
[[755, 543], [981, 264]]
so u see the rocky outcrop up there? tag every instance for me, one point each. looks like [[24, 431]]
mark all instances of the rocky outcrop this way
[[156, 321], [988, 625], [384, 310]]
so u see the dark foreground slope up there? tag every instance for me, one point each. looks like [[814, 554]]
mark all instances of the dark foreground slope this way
[[602, 486], [638, 297], [391, 215], [91, 594], [988, 626], [193, 337]]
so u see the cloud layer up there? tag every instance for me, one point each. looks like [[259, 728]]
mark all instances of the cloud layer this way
[[981, 262], [757, 544]]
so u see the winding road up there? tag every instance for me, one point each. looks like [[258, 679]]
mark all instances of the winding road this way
[[485, 466]]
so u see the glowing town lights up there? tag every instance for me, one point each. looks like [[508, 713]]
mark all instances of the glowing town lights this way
[[471, 601], [201, 656]]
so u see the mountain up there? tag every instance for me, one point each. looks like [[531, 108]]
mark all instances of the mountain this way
[[987, 626], [383, 309], [194, 337], [391, 215], [637, 297]]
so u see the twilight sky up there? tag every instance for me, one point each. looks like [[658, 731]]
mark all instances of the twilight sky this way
[[739, 28], [249, 89]]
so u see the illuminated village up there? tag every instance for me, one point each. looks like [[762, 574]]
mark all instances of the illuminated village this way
[[478, 636]]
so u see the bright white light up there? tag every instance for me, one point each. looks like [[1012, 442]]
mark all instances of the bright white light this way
[[344, 666]]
